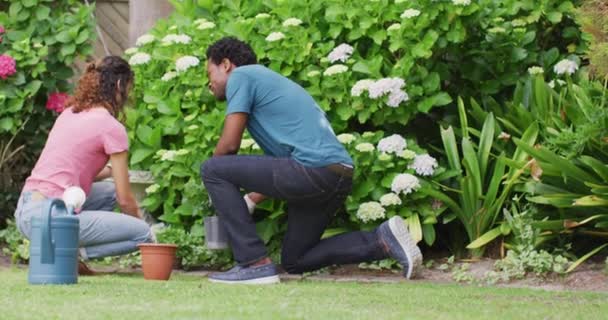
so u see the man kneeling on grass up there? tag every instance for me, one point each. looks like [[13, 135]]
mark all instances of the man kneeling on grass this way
[[305, 165]]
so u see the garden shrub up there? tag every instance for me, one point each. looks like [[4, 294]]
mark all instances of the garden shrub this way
[[39, 42], [372, 66]]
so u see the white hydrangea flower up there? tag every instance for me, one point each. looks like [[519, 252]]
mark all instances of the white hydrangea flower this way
[[275, 36], [152, 188], [161, 152], [360, 86], [390, 199], [406, 154], [247, 143], [410, 13], [313, 73], [461, 2], [199, 21], [405, 183], [340, 53], [565, 66], [176, 38], [192, 127], [292, 22], [394, 26], [335, 69], [139, 58], [206, 25], [384, 157], [346, 138], [365, 147], [370, 211], [262, 16], [392, 144], [497, 30], [368, 134], [395, 98], [131, 51], [144, 39], [384, 86], [183, 63], [255, 146], [424, 165], [169, 155], [182, 152], [168, 76], [518, 23], [558, 81], [535, 70]]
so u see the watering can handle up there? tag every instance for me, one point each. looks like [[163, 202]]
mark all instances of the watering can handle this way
[[47, 254]]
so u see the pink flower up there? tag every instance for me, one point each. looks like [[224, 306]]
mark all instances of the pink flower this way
[[1, 30], [56, 101], [7, 66]]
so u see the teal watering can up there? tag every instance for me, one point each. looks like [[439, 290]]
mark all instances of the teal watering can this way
[[54, 245]]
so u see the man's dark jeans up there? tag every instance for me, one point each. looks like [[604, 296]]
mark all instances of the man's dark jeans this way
[[313, 196]]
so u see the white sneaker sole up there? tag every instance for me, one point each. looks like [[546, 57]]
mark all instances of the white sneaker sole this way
[[414, 256], [265, 280]]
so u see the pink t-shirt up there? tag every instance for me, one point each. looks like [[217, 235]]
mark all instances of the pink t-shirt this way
[[78, 147]]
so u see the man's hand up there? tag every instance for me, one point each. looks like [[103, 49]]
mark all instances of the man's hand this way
[[250, 204], [252, 199]]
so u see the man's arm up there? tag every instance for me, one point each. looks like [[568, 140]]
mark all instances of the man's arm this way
[[230, 141]]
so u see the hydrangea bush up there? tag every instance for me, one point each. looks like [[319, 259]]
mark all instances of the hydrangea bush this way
[[389, 171]]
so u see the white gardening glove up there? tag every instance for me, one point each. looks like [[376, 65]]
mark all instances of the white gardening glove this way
[[250, 204]]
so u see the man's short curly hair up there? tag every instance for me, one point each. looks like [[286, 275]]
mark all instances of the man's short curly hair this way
[[238, 52]]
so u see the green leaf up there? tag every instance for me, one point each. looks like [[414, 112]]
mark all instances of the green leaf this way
[[414, 227], [485, 238], [361, 67], [599, 167], [64, 37], [485, 144], [428, 233], [363, 189], [68, 49], [6, 124], [15, 8], [82, 36], [518, 54], [42, 12], [451, 149], [141, 154], [554, 17], [495, 182], [471, 165], [266, 229], [32, 87], [29, 3], [585, 257], [565, 165]]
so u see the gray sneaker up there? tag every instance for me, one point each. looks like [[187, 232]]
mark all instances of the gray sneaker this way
[[401, 247], [265, 274]]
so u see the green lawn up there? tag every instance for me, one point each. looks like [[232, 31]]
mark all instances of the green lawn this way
[[189, 297]]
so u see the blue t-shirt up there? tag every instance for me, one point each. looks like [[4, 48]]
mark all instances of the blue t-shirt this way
[[284, 119]]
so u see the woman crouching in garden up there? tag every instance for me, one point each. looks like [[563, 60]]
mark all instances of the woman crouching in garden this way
[[83, 138]]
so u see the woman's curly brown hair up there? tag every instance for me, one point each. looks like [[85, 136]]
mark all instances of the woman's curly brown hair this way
[[102, 82]]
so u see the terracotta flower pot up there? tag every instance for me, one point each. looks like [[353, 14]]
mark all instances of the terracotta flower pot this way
[[157, 260]]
